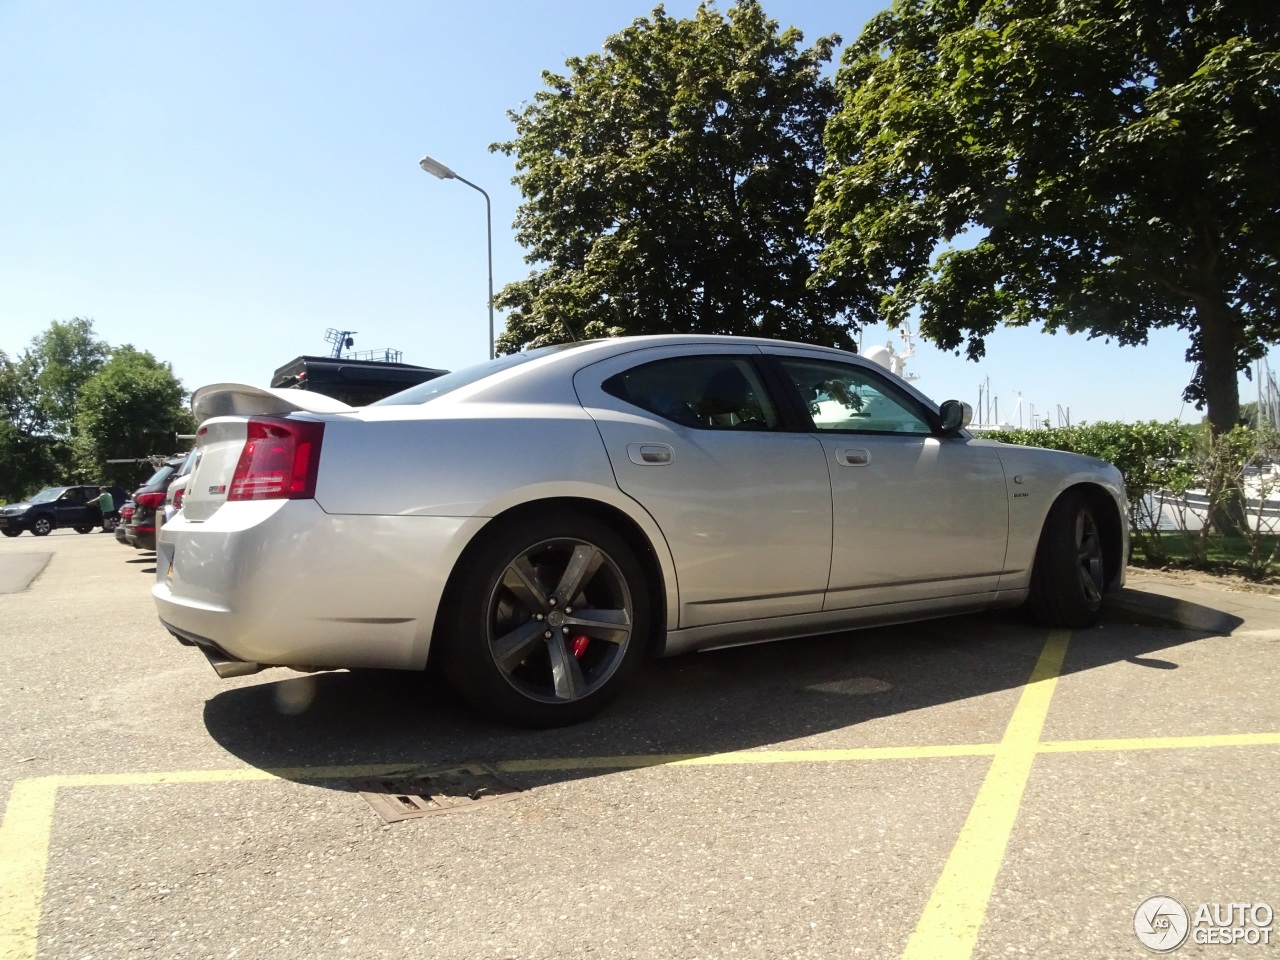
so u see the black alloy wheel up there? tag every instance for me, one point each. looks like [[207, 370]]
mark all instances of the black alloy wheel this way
[[1068, 579], [551, 618], [560, 620]]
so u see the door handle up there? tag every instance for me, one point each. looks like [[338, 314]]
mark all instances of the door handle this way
[[854, 457], [650, 454]]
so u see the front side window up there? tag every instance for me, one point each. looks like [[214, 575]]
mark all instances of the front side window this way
[[705, 392], [842, 396]]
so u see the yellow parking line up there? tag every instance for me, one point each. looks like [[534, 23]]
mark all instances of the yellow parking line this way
[[1162, 743], [949, 926], [741, 757], [24, 851], [238, 774]]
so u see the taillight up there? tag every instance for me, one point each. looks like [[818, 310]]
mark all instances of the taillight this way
[[177, 497], [149, 500], [279, 461], [126, 512]]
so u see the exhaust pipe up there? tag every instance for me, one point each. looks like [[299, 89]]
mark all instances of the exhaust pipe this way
[[226, 667]]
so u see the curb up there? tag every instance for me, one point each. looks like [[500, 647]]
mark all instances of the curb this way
[[1156, 610]]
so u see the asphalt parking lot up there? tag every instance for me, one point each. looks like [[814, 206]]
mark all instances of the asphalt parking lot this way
[[972, 787]]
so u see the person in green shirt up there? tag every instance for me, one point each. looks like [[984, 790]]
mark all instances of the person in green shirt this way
[[107, 504]]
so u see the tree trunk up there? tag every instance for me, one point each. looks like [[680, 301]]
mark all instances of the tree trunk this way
[[1218, 337]]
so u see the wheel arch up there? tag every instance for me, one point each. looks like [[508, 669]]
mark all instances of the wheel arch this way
[[654, 563], [1111, 525]]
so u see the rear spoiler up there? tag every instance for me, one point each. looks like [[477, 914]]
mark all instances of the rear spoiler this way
[[242, 400]]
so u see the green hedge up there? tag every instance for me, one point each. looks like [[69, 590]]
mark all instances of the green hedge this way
[[1151, 456], [1169, 458]]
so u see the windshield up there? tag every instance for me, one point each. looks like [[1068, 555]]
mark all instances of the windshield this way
[[160, 475], [47, 494], [460, 378]]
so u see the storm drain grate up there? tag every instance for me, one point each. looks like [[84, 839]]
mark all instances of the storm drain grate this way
[[404, 797]]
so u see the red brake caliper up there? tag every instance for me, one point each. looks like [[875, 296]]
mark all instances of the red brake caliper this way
[[580, 641]]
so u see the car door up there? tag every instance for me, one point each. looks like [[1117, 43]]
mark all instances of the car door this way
[[697, 438], [917, 515], [71, 508]]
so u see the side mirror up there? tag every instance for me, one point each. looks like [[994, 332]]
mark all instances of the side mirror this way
[[955, 415]]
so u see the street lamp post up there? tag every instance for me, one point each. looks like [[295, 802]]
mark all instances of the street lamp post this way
[[440, 171]]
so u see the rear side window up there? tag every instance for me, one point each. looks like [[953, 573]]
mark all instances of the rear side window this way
[[708, 392], [439, 386]]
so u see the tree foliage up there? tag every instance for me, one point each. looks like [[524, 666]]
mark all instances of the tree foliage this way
[[29, 454], [666, 182], [62, 360], [70, 401], [133, 404], [1114, 159]]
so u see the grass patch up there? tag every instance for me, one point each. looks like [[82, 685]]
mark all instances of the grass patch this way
[[1256, 557]]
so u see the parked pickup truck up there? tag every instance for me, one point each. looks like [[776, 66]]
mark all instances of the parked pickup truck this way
[[55, 507]]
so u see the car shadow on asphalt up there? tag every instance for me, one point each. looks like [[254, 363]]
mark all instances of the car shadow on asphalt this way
[[700, 704]]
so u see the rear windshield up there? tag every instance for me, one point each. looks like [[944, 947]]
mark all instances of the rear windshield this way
[[467, 375], [160, 476]]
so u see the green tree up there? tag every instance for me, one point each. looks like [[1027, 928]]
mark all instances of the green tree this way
[[666, 182], [63, 359], [1115, 161], [132, 407], [30, 456]]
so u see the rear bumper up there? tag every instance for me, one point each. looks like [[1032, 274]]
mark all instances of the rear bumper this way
[[284, 583]]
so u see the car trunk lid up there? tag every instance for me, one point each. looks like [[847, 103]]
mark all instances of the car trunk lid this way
[[225, 410]]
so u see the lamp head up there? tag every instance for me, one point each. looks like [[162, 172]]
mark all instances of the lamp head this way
[[436, 169]]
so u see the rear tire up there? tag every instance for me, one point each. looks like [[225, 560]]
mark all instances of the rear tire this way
[[42, 526], [1068, 578], [547, 620], [84, 529]]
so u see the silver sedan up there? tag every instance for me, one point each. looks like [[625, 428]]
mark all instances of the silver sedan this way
[[541, 522]]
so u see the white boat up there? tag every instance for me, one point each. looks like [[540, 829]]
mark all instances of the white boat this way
[[1191, 510]]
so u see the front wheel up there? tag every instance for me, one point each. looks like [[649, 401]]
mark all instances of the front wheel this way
[[11, 533], [42, 526], [1067, 580], [546, 621]]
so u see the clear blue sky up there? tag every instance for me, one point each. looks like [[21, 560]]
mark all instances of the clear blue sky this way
[[218, 183]]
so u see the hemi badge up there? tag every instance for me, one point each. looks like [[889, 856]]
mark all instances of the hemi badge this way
[[221, 488]]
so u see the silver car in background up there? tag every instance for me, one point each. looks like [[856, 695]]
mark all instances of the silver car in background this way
[[542, 521]]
